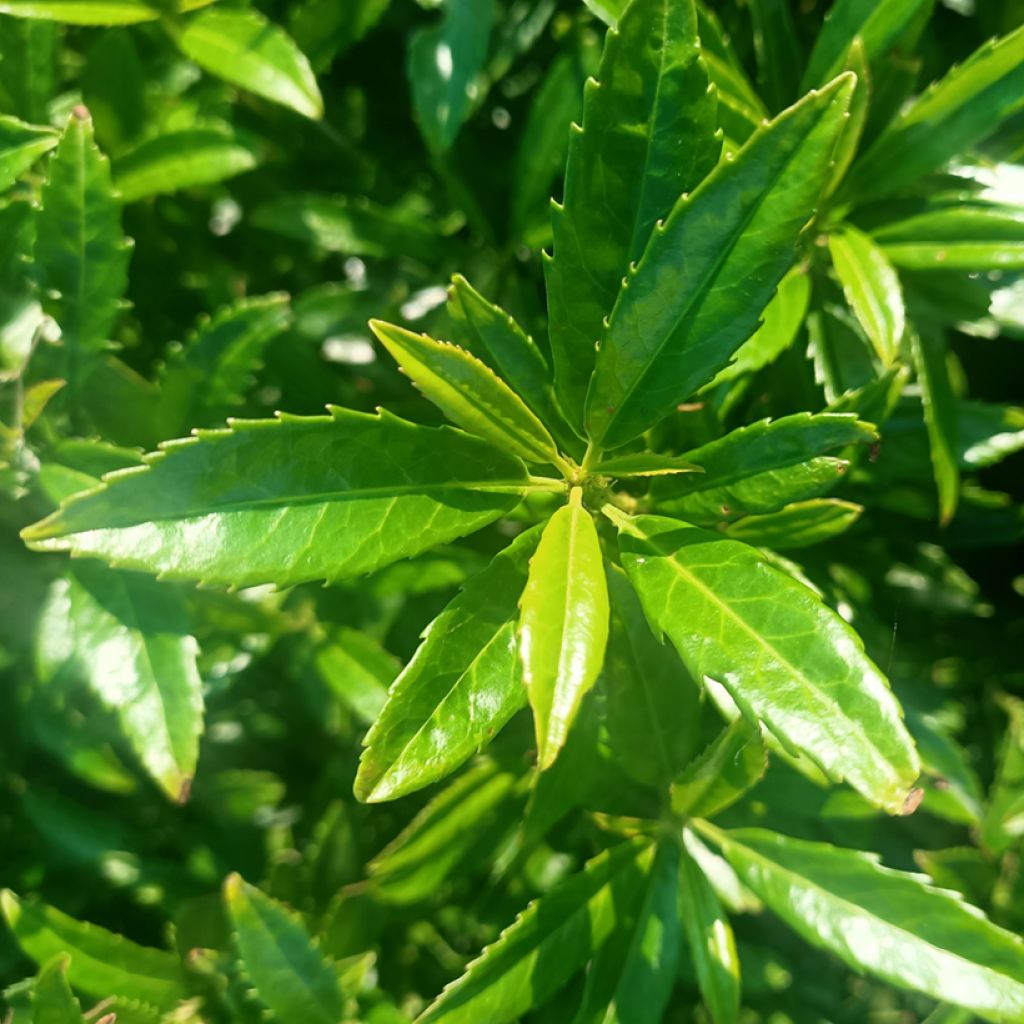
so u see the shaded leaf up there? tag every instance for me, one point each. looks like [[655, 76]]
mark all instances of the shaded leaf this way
[[798, 525], [357, 669], [732, 763], [21, 145]]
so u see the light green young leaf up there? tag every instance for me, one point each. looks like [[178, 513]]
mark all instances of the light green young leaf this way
[[128, 637], [289, 500], [872, 289], [797, 525], [290, 975], [632, 975], [784, 656], [445, 64], [889, 923], [357, 669], [460, 688], [732, 763], [244, 48], [678, 321], [860, 106], [21, 145], [928, 347], [762, 467], [549, 942], [81, 256], [963, 108], [648, 136], [469, 393], [563, 625], [98, 12], [52, 999], [711, 942], [182, 159], [102, 964]]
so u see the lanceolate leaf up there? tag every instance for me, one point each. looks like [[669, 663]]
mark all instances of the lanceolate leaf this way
[[784, 657], [954, 114], [21, 145], [102, 964], [731, 764], [798, 525], [988, 433], [548, 943], [357, 669], [287, 500], [644, 464], [52, 1000], [288, 972], [244, 48], [462, 685], [648, 136], [129, 638], [889, 923], [710, 269], [563, 626], [469, 393], [872, 289], [97, 12]]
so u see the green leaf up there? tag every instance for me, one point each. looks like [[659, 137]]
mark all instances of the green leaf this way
[[878, 23], [469, 393], [288, 972], [102, 964], [648, 136], [987, 433], [81, 256], [98, 12], [887, 922], [357, 669], [644, 464], [551, 940], [128, 637], [872, 289], [962, 109], [784, 657], [677, 323], [493, 336], [732, 763], [325, 30], [563, 626], [928, 347], [860, 106], [1003, 823], [653, 706], [244, 48], [762, 467], [182, 159], [28, 72], [21, 145], [445, 63], [52, 1000], [711, 941], [632, 975], [462, 685], [114, 88], [777, 49], [287, 500], [843, 358], [798, 525]]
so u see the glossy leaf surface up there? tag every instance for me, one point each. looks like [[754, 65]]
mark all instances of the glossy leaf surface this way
[[784, 657], [96, 12], [710, 269], [297, 498]]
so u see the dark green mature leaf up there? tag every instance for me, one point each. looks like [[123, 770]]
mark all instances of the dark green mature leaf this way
[[98, 12], [653, 706], [102, 964], [844, 360], [711, 268], [469, 393], [287, 500], [288, 972], [930, 364], [52, 999], [21, 145], [648, 136], [462, 685], [798, 525], [1003, 823], [551, 940], [856, 123], [987, 433], [128, 637], [81, 256], [444, 66], [872, 289], [963, 108], [784, 656], [762, 467], [632, 975], [887, 922], [644, 464], [244, 48], [563, 626], [778, 52], [325, 29], [711, 942], [731, 764], [182, 159], [114, 88], [28, 72]]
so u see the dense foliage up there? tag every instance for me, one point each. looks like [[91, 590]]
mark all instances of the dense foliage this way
[[642, 642]]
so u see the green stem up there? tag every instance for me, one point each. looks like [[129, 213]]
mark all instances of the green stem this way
[[548, 484]]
